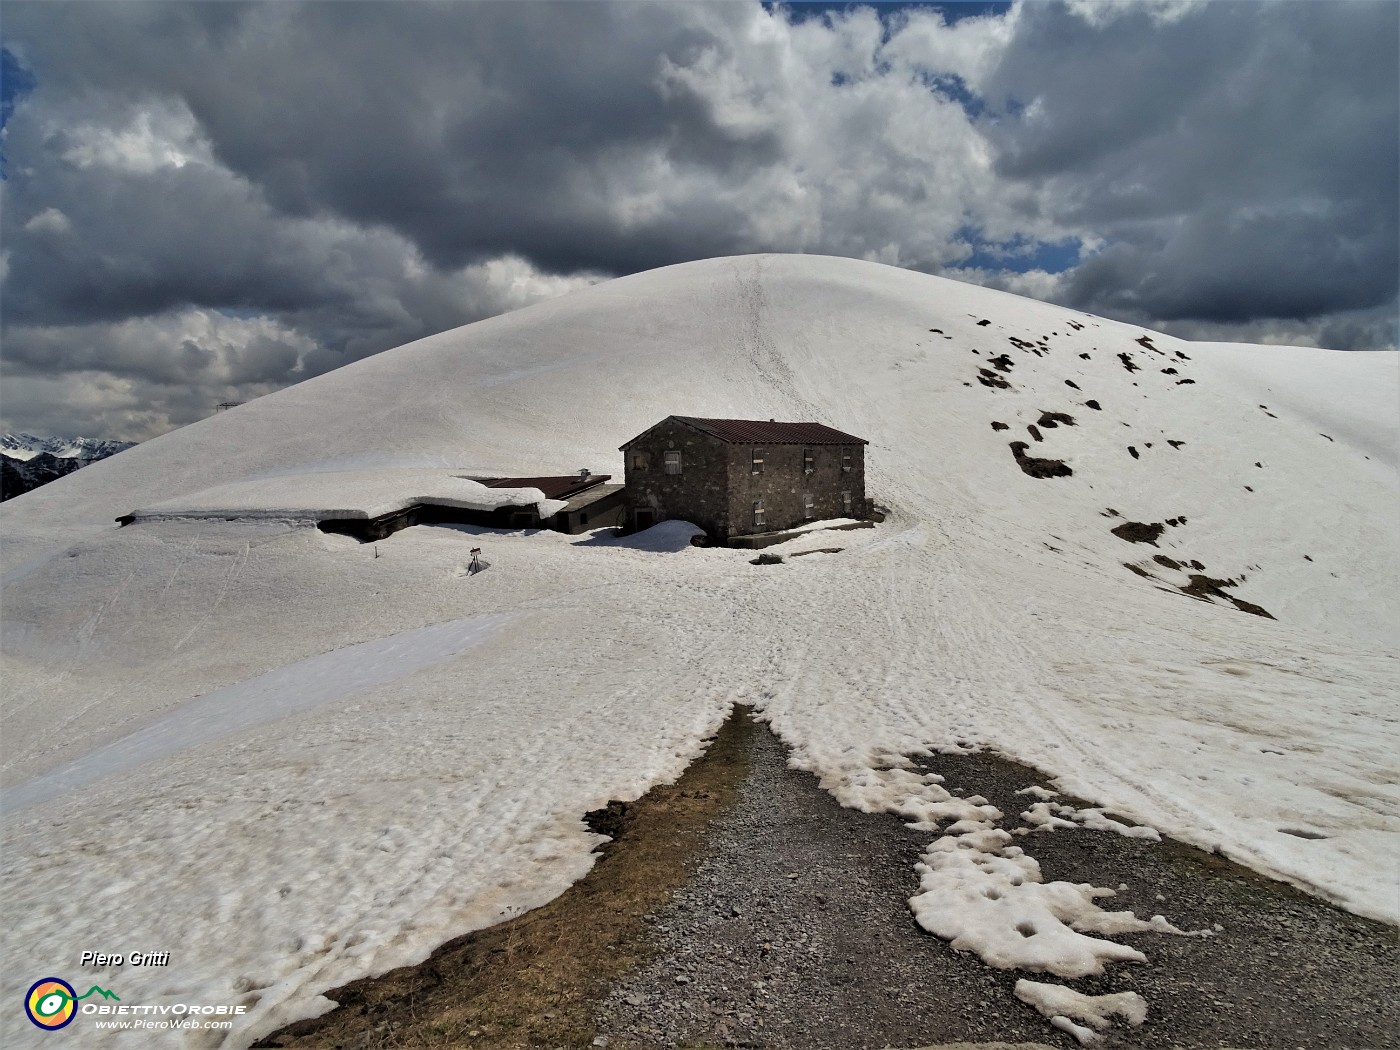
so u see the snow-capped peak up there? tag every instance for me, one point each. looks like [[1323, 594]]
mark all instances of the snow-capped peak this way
[[27, 446]]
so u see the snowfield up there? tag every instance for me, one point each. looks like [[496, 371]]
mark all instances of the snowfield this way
[[292, 760]]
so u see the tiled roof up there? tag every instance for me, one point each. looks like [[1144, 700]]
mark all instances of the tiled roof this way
[[771, 432], [553, 488]]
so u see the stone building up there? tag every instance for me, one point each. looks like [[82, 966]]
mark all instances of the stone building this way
[[743, 477]]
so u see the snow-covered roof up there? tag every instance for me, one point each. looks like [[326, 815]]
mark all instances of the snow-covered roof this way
[[345, 494], [555, 487]]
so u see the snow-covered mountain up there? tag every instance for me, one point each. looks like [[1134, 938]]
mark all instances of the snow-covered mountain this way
[[303, 763], [27, 462], [27, 446]]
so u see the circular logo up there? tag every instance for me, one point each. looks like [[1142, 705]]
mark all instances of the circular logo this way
[[51, 1003]]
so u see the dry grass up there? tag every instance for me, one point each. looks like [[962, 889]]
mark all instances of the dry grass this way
[[532, 981]]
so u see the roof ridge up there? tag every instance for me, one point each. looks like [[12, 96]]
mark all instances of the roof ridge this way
[[794, 432]]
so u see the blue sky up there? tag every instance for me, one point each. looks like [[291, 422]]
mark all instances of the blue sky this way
[[951, 12], [15, 82]]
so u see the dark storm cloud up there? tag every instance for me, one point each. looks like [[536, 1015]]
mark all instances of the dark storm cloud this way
[[473, 130], [1240, 161]]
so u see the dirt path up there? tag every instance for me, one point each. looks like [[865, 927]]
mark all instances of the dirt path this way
[[742, 906]]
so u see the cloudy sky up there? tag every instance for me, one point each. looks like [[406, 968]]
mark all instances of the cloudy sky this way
[[208, 201]]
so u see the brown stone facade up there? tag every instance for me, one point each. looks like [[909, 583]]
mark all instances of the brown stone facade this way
[[719, 481]]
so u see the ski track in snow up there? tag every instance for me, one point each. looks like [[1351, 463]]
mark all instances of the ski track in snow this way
[[241, 753]]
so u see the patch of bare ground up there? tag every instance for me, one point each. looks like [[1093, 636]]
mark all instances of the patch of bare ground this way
[[742, 907], [1037, 467], [532, 981], [1282, 971], [987, 377], [1139, 532], [1208, 587], [795, 934]]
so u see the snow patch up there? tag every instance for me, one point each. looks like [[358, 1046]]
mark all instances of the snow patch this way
[[986, 896], [1047, 816], [1055, 1001], [1083, 1036]]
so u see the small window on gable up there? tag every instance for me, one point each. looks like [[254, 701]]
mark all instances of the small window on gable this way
[[845, 461], [759, 517], [809, 460], [846, 504], [757, 461], [673, 461], [809, 505], [639, 460]]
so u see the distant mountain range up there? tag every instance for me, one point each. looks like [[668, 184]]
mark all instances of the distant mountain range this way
[[26, 461]]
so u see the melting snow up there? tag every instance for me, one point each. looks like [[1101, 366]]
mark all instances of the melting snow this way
[[1063, 1006]]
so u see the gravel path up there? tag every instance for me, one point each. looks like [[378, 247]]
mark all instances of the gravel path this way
[[795, 932]]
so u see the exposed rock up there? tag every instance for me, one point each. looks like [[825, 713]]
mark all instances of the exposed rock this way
[[1139, 532], [1038, 468], [987, 377]]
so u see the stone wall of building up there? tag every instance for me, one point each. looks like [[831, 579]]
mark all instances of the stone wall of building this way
[[785, 483], [697, 494]]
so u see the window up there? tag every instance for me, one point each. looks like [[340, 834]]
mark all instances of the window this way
[[846, 504], [758, 461], [845, 461], [809, 460], [673, 461], [809, 505], [639, 461], [759, 518]]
